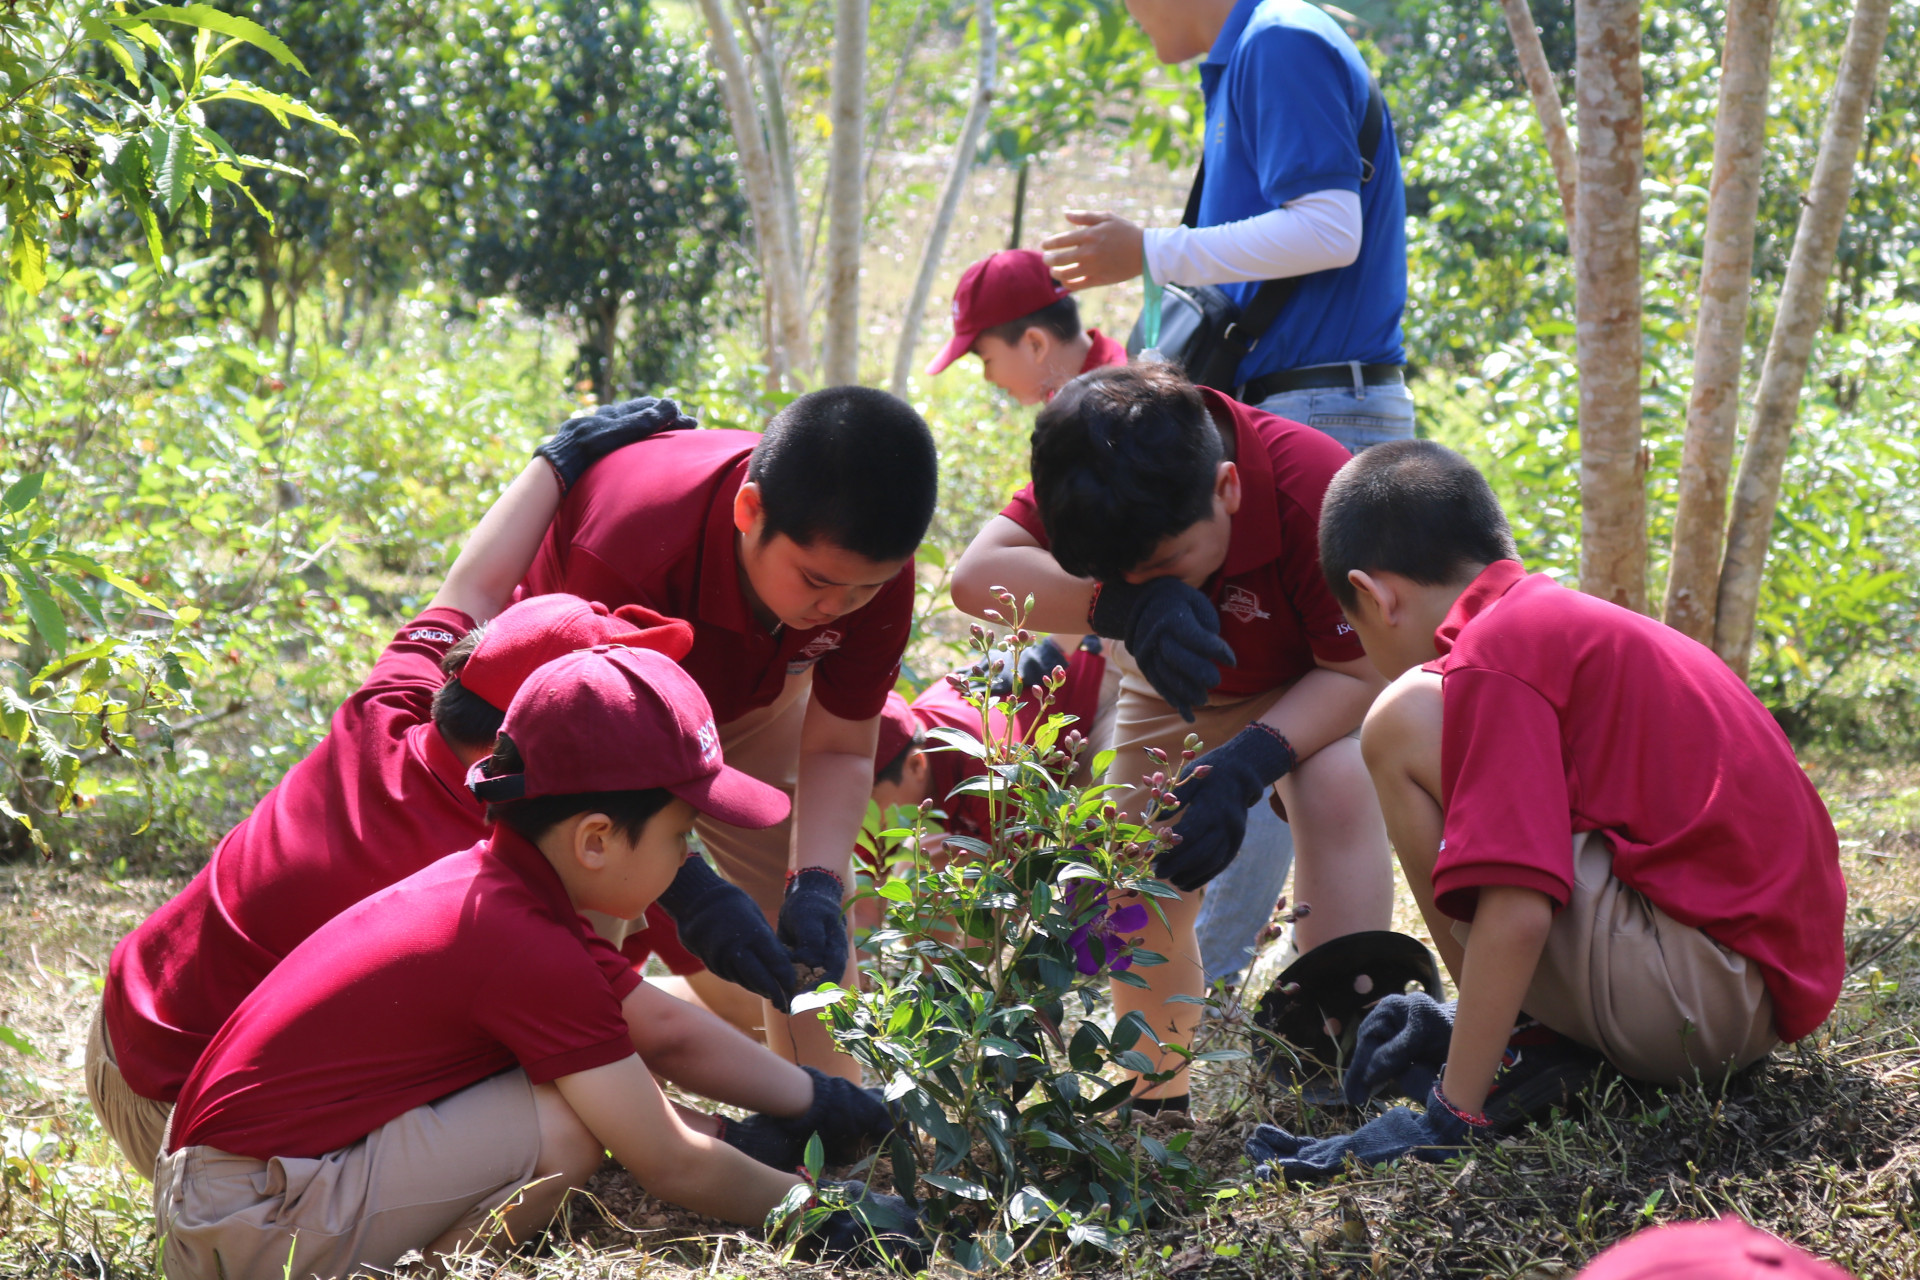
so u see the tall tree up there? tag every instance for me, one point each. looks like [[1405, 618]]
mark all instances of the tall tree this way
[[1606, 249], [846, 193]]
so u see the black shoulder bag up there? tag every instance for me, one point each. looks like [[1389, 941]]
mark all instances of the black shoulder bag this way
[[1203, 331]]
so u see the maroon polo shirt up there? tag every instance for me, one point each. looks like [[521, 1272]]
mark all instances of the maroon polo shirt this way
[[1105, 351], [469, 967], [652, 524], [380, 797], [1275, 609], [1565, 713]]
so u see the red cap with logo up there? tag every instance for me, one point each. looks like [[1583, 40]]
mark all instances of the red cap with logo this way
[[898, 727], [1725, 1249], [1008, 285], [539, 629], [611, 718]]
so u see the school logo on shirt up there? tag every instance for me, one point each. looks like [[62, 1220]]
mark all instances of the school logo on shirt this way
[[1243, 604], [432, 634], [708, 736], [1344, 629], [814, 650]]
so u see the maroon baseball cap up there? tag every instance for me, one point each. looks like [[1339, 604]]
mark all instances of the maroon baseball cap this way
[[611, 718], [898, 727], [1725, 1249], [539, 629], [1004, 286]]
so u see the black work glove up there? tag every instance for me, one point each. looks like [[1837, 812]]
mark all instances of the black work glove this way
[[845, 1116], [578, 443], [874, 1227], [813, 925], [1173, 633], [1401, 1046], [719, 923], [1214, 804], [1436, 1134], [1039, 662]]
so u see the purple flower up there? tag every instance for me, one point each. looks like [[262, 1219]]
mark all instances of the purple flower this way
[[1109, 926]]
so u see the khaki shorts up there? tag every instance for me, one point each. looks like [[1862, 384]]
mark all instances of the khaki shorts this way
[[1142, 719], [1663, 1001], [766, 744], [448, 1164], [138, 1125]]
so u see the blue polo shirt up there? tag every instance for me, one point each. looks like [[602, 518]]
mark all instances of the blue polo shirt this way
[[1286, 93]]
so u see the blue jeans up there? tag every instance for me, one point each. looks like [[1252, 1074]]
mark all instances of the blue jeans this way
[[1358, 418], [1240, 900]]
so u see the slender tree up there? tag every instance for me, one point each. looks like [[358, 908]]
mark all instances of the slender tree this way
[[846, 192], [963, 152], [1606, 252], [1795, 325], [1726, 281], [1546, 100]]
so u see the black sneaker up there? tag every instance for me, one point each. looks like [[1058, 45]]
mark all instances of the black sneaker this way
[[1540, 1070]]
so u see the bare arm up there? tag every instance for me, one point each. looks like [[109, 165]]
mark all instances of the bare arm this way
[[1510, 927], [622, 1106], [835, 782], [1005, 555], [702, 1052], [501, 548], [1325, 705]]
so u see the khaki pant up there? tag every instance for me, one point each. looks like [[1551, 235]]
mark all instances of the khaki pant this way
[[1142, 719], [448, 1164], [766, 744], [1663, 1001], [138, 1125]]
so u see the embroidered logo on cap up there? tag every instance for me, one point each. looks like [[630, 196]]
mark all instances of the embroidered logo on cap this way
[[1243, 604], [708, 737]]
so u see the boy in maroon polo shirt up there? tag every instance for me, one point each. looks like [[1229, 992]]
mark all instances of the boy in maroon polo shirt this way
[[1184, 523], [1025, 327], [383, 795], [790, 552], [440, 1063], [1601, 823]]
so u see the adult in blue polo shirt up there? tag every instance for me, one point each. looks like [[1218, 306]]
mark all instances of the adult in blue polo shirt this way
[[1287, 194]]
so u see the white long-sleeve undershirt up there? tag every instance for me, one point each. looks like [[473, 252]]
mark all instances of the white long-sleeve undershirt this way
[[1318, 232]]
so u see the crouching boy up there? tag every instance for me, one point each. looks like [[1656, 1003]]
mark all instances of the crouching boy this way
[[1602, 825], [439, 1064]]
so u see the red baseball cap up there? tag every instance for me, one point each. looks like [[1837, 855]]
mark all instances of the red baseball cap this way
[[1004, 286], [898, 727], [1725, 1249], [611, 718], [539, 629]]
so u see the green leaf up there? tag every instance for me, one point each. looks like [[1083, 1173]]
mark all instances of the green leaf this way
[[957, 1186], [27, 259], [13, 1039], [815, 1158], [172, 147], [207, 18], [21, 493], [46, 615], [278, 105]]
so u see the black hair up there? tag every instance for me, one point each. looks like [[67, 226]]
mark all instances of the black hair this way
[[1411, 507], [463, 717], [852, 465], [896, 769], [531, 819], [1061, 318], [1123, 458]]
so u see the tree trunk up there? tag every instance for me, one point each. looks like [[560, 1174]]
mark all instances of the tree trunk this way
[[1546, 99], [970, 131], [1795, 324], [1726, 281], [1019, 203], [765, 46], [774, 234], [1606, 256], [846, 193]]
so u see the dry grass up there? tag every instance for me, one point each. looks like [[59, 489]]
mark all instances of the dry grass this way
[[1821, 1145]]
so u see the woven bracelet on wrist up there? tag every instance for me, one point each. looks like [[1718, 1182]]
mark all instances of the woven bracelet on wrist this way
[[1474, 1121], [832, 875]]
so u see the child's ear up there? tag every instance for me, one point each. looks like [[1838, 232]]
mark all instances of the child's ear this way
[[1037, 341], [1375, 594], [590, 837], [1226, 487], [748, 510]]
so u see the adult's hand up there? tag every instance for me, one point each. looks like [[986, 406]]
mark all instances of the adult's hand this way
[[1103, 248], [719, 923]]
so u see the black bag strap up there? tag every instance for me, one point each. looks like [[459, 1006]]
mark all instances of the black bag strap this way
[[1264, 307]]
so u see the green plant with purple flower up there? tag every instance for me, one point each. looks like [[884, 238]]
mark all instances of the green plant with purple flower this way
[[991, 960]]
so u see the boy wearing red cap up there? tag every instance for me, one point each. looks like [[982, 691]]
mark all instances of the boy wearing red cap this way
[[790, 553], [1602, 826], [1025, 327], [382, 796], [441, 1063]]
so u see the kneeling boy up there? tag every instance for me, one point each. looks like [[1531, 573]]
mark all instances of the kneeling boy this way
[[444, 1060], [1601, 823]]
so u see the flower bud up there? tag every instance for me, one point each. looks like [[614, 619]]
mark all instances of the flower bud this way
[[977, 631], [1302, 911], [1159, 779], [1156, 753], [1200, 771], [1192, 742]]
